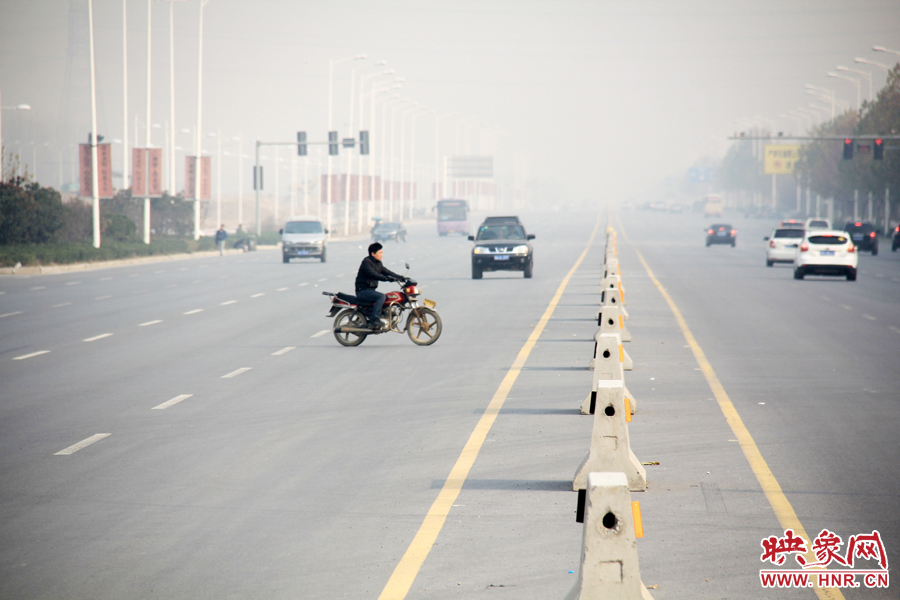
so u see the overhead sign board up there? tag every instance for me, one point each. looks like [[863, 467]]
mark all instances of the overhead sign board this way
[[781, 158]]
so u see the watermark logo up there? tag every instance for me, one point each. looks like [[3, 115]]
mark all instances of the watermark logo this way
[[862, 562]]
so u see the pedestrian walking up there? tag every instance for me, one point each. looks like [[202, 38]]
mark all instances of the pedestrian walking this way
[[221, 236]]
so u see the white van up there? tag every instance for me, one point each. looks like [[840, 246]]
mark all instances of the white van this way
[[303, 237]]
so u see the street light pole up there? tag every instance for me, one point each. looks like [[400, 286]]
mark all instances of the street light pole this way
[[412, 161], [95, 178], [147, 151], [197, 161], [437, 139], [124, 96], [863, 73], [852, 80], [331, 64]]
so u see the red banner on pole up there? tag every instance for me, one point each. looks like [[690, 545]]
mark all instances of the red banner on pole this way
[[104, 170], [205, 177], [138, 172], [154, 172]]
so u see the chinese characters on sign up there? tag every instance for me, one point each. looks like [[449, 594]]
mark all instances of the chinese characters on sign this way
[[205, 177], [146, 170], [826, 549], [104, 170], [780, 159]]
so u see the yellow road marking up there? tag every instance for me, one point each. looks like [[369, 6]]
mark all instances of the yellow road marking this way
[[784, 512], [406, 570]]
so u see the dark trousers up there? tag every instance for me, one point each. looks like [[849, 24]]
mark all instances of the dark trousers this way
[[372, 296]]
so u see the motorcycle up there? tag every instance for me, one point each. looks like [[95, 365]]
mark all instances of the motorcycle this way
[[423, 325]]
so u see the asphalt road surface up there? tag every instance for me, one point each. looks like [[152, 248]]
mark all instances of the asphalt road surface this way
[[248, 455]]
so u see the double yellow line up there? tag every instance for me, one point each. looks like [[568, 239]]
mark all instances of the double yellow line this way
[[405, 573]]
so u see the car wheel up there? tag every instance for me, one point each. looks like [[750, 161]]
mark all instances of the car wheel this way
[[476, 272], [769, 263], [707, 243], [798, 273], [851, 275], [732, 244], [322, 258], [285, 258], [875, 251]]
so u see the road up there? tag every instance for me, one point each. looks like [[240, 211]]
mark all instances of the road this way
[[251, 456]]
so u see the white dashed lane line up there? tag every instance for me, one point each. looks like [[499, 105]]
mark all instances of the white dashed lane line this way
[[846, 306], [172, 402], [39, 287], [97, 337], [61, 305], [323, 332], [82, 444], [894, 329], [869, 317], [229, 302], [74, 283], [150, 323], [302, 284], [257, 295], [284, 350], [323, 279], [38, 353], [12, 314], [194, 312], [236, 373], [281, 290]]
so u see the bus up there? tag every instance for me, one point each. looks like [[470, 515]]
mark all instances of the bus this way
[[452, 217], [713, 206]]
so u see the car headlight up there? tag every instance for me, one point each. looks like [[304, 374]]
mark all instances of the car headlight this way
[[520, 250], [481, 250]]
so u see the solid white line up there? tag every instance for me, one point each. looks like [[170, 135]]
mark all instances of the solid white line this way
[[172, 402], [284, 350], [97, 337], [257, 295], [236, 373], [18, 312], [869, 317], [32, 354], [281, 290], [150, 323], [302, 284], [229, 302], [82, 444], [323, 332], [194, 312]]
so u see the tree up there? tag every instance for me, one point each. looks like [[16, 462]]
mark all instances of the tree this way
[[29, 213]]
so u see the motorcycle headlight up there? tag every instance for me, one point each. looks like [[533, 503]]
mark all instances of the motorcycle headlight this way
[[520, 250], [481, 250]]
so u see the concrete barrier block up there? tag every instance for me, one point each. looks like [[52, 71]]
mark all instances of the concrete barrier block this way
[[609, 568], [611, 320], [610, 444], [627, 363]]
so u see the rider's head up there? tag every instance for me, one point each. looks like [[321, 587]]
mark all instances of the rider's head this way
[[375, 250]]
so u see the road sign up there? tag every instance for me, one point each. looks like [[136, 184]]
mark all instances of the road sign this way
[[781, 158]]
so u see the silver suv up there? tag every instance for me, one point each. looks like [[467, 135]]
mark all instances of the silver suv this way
[[304, 237]]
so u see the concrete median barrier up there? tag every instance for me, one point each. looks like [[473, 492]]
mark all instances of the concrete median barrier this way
[[609, 568], [610, 444], [610, 355]]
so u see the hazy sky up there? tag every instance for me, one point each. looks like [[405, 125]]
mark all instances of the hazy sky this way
[[605, 98]]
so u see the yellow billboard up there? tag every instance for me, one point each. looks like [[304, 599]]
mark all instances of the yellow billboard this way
[[780, 158]]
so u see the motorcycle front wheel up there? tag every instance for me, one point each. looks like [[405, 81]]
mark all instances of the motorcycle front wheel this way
[[425, 328], [352, 318]]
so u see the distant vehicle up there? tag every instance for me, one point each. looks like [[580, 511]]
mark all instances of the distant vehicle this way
[[452, 217], [782, 245], [895, 243], [864, 236], [383, 232], [792, 224], [303, 237], [713, 206], [817, 223], [824, 252], [721, 233], [676, 208], [502, 247]]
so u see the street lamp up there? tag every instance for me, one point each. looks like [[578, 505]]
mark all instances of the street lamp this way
[[883, 49], [437, 155], [818, 91], [886, 68], [240, 140], [197, 162], [863, 73], [852, 80]]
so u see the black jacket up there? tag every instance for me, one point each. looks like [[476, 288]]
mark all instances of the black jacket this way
[[371, 271]]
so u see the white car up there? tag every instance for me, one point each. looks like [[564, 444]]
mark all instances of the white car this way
[[303, 237], [817, 223], [782, 245], [826, 252]]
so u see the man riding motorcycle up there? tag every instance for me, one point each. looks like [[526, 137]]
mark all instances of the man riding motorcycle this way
[[371, 271]]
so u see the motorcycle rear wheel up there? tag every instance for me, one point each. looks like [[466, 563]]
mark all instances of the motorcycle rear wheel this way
[[425, 329], [353, 318]]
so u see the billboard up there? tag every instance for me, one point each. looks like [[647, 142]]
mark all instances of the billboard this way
[[104, 170], [205, 177], [781, 158]]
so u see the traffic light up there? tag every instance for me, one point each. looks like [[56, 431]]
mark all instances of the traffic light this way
[[301, 143], [848, 149], [333, 149], [363, 142], [878, 151]]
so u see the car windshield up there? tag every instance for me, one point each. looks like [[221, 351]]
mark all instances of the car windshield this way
[[827, 239], [501, 232], [720, 226], [788, 233], [859, 228], [303, 227], [818, 224], [451, 213]]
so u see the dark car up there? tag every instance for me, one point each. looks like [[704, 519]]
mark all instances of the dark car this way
[[864, 236], [501, 220], [383, 232], [895, 243], [502, 247], [721, 233]]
